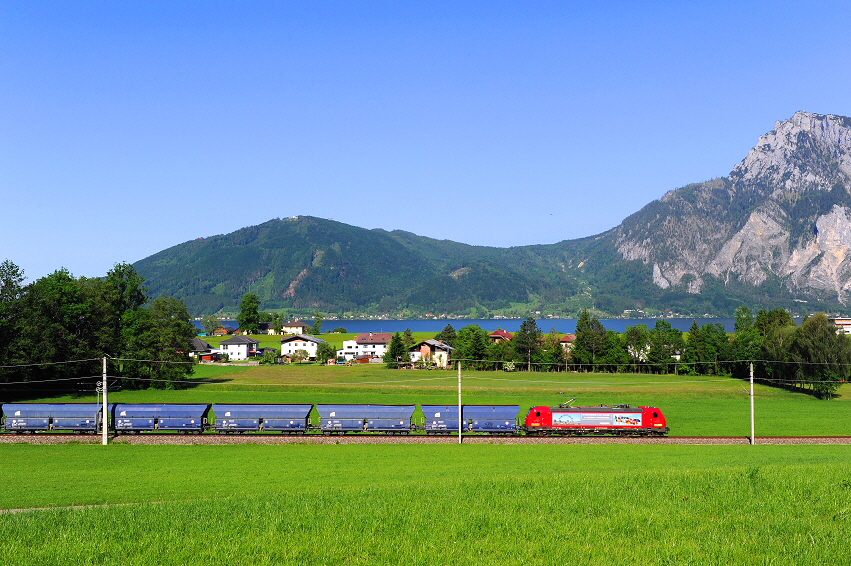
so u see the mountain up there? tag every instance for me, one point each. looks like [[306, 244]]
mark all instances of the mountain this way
[[775, 232]]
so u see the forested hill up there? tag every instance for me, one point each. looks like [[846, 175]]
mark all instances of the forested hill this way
[[311, 263], [774, 233]]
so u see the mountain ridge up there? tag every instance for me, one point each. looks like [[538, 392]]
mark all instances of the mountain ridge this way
[[775, 232]]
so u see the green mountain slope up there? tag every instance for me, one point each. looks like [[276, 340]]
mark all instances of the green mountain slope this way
[[776, 232]]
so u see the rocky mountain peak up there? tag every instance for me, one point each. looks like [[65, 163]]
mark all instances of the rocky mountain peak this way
[[806, 152], [782, 217]]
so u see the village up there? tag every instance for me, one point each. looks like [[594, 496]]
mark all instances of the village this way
[[299, 346]]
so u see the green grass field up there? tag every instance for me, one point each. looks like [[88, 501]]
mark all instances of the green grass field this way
[[443, 504], [431, 504]]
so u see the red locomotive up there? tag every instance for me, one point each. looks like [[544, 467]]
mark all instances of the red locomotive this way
[[621, 420]]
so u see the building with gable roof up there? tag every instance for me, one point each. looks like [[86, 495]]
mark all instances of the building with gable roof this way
[[289, 345], [366, 344], [239, 347], [433, 351]]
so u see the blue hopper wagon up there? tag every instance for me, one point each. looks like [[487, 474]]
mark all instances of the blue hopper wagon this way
[[289, 419], [340, 419], [491, 419], [146, 417], [440, 419], [36, 417]]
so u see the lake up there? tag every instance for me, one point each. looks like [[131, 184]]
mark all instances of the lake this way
[[563, 325]]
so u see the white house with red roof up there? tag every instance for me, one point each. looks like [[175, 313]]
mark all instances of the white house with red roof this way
[[567, 342], [499, 335]]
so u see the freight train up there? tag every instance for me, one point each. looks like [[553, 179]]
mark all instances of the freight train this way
[[227, 418]]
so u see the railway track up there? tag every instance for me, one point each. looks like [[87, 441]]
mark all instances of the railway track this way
[[377, 438]]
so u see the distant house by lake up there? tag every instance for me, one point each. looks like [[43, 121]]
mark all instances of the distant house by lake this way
[[295, 327]]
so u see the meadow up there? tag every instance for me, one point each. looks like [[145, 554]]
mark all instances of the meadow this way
[[431, 504], [442, 504]]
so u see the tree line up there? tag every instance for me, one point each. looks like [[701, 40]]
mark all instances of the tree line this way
[[812, 356], [55, 331]]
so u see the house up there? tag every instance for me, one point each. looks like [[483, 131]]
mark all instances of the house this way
[[266, 328], [567, 342], [433, 351], [239, 347], [295, 327], [289, 344], [365, 344], [223, 331], [203, 351], [499, 335], [843, 325]]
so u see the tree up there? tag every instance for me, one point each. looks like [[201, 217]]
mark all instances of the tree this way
[[822, 356], [159, 339], [471, 346], [269, 358], [58, 326], [249, 315], [747, 343], [552, 354], [325, 352], [614, 355], [767, 320], [11, 278], [590, 340], [447, 335], [408, 339], [501, 354], [317, 323], [210, 323], [665, 343], [707, 346], [300, 355], [278, 320], [396, 352], [526, 341], [636, 341]]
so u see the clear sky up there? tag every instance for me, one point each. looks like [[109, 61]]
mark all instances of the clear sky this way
[[128, 127]]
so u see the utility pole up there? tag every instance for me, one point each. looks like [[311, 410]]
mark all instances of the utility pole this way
[[104, 419], [459, 402], [753, 438]]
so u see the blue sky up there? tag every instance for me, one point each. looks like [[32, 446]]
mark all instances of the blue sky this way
[[128, 127]]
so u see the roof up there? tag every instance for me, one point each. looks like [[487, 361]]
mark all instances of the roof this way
[[373, 338], [434, 344], [568, 338], [501, 334], [239, 340], [199, 345], [304, 337], [294, 323]]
